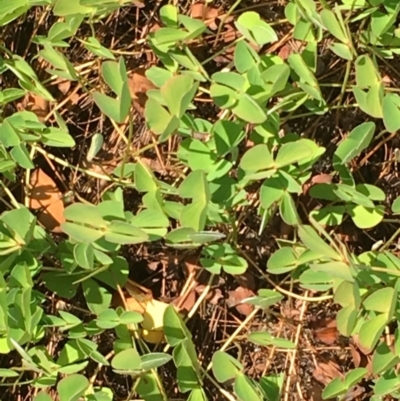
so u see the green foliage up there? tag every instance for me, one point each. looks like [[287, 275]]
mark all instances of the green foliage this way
[[220, 180]]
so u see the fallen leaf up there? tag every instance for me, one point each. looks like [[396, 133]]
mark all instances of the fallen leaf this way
[[321, 179], [355, 354], [325, 372], [35, 104], [64, 86], [327, 331], [139, 84], [205, 12], [213, 296], [153, 321], [191, 264], [185, 303], [237, 296], [46, 199], [154, 164], [141, 300], [246, 280]]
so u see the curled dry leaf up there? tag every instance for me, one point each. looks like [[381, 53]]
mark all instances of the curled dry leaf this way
[[138, 86], [46, 199]]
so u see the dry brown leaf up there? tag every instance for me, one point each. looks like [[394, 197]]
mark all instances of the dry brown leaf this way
[[46, 199], [139, 84], [213, 296], [191, 264], [246, 280], [325, 372], [285, 51], [355, 354], [208, 14], [237, 296], [141, 300], [154, 164], [35, 104], [321, 179], [185, 304], [327, 332], [64, 86]]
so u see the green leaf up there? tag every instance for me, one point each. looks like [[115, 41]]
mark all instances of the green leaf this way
[[174, 328], [391, 112], [246, 389], [84, 256], [366, 72], [112, 108], [253, 28], [257, 158], [358, 140], [63, 8], [371, 331], [72, 387], [120, 232], [127, 360], [97, 297], [282, 261], [159, 120], [225, 367], [333, 26], [313, 241], [178, 92], [396, 205], [42, 396], [346, 320], [383, 359], [265, 298], [154, 360], [342, 50], [339, 270], [245, 57], [249, 110], [96, 142], [145, 181], [8, 373], [334, 389], [293, 152], [383, 300], [21, 156], [267, 339], [288, 210], [364, 217]]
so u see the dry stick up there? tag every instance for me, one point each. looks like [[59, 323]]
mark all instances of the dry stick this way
[[196, 305], [235, 333], [294, 353], [282, 290], [10, 195], [96, 372]]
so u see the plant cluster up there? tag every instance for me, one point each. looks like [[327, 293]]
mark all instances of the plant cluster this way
[[222, 179]]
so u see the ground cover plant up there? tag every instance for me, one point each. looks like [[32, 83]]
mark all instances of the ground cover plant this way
[[199, 200]]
